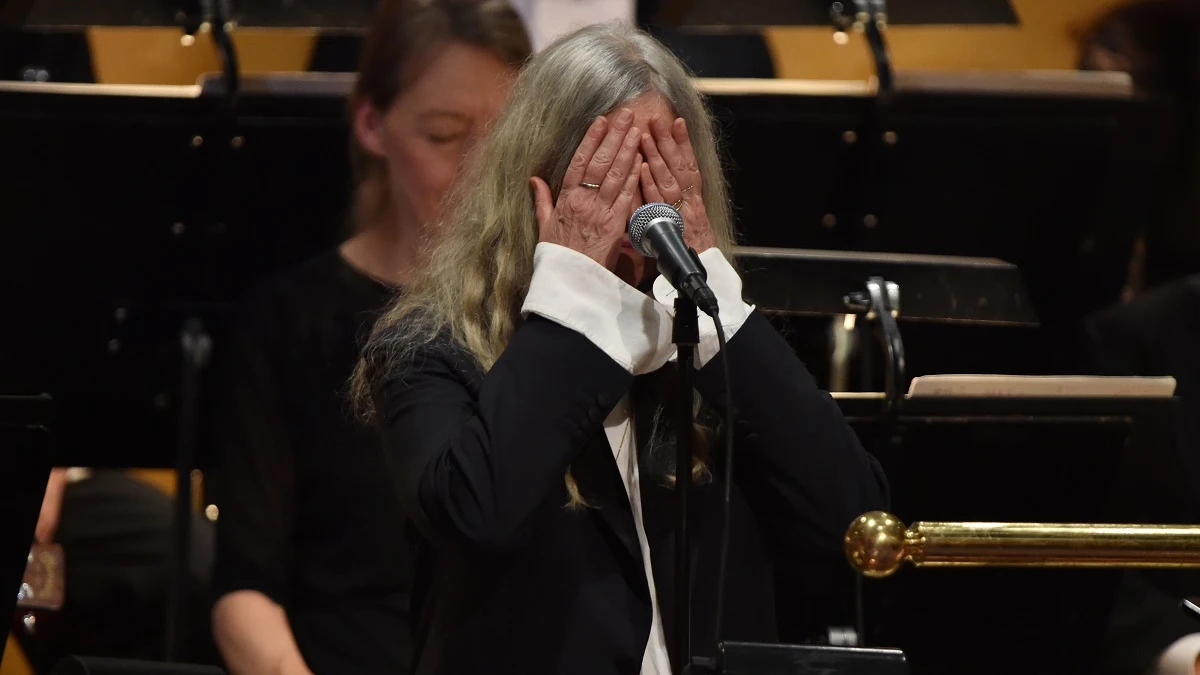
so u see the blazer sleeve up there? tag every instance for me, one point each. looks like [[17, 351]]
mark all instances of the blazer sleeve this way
[[801, 466], [473, 457]]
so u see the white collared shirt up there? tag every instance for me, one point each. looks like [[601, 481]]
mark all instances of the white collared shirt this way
[[573, 290]]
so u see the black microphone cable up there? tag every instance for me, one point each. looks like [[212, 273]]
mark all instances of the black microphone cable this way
[[727, 497]]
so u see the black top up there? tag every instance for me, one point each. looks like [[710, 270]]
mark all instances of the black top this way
[[511, 582], [1154, 334], [307, 515]]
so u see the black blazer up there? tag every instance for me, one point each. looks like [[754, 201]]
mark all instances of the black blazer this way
[[509, 580]]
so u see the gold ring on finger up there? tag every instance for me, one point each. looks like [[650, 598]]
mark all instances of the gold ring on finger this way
[[678, 204], [594, 186]]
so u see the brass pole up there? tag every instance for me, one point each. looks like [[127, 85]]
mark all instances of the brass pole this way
[[877, 543]]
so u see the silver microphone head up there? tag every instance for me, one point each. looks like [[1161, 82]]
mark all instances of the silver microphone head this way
[[645, 216]]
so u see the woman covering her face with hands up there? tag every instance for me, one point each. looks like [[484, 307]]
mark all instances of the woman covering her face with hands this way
[[519, 388]]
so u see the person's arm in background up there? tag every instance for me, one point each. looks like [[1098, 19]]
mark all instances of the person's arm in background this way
[[256, 495], [52, 503], [254, 637]]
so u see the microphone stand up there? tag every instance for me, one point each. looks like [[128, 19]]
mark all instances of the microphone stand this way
[[743, 658], [195, 342], [686, 335], [196, 347]]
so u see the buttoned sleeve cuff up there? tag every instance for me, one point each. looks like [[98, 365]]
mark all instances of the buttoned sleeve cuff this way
[[1180, 657], [733, 310], [575, 291]]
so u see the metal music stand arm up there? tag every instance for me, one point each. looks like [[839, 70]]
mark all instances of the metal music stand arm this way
[[885, 303], [195, 343], [874, 21], [685, 335], [868, 168], [196, 347], [195, 16], [870, 18], [880, 303], [222, 25]]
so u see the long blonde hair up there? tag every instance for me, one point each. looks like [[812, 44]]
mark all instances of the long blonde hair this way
[[478, 270]]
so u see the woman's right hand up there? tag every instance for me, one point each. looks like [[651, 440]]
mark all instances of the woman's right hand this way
[[592, 220]]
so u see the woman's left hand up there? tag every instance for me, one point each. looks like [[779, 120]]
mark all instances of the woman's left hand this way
[[670, 175]]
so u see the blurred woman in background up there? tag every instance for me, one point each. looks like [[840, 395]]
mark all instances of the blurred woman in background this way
[[1158, 43], [1156, 330], [311, 574]]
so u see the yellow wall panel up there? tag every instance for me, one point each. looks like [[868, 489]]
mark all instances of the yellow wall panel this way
[[155, 55], [1045, 39]]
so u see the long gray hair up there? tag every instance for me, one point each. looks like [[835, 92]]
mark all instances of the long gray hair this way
[[480, 266], [481, 263]]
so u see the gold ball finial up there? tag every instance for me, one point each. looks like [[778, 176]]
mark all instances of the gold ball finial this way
[[875, 544]]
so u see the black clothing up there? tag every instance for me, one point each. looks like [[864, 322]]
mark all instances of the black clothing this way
[[307, 515], [510, 581], [1155, 334]]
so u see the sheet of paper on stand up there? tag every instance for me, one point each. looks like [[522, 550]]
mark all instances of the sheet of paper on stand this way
[[1041, 386]]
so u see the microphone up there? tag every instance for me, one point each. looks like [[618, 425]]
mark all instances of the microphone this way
[[656, 231]]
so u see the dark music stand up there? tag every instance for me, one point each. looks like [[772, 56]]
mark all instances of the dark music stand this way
[[912, 435], [1019, 459], [167, 258], [181, 206], [215, 115], [935, 288], [881, 288], [1031, 169], [744, 658], [885, 289], [25, 462]]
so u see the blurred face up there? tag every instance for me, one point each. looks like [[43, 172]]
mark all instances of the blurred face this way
[[1100, 58], [632, 266], [424, 135]]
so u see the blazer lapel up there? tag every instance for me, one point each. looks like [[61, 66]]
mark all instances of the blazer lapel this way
[[599, 481]]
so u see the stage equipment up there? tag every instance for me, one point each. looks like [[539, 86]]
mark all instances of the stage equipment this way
[[877, 544]]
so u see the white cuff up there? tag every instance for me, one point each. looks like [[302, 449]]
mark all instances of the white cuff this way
[[575, 291], [1180, 657], [727, 285]]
